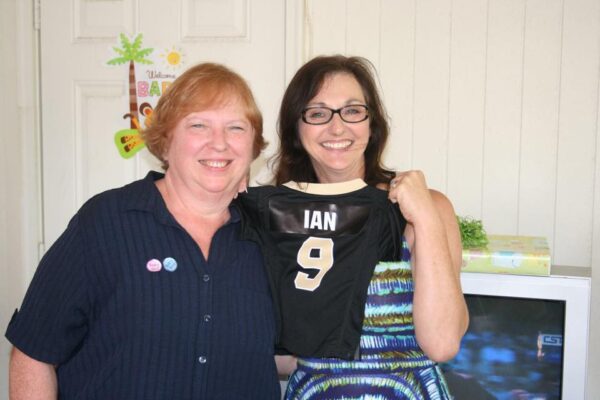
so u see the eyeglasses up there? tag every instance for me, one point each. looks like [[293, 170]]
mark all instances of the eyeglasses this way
[[321, 115]]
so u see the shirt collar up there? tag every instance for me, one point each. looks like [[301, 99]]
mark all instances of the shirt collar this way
[[143, 195]]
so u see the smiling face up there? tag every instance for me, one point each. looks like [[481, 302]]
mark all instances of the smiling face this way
[[336, 149], [210, 151]]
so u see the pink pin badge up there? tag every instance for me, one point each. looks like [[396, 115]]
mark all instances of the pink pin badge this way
[[154, 265]]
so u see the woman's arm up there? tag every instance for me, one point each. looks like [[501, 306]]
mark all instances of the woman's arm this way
[[285, 365], [30, 379], [439, 310]]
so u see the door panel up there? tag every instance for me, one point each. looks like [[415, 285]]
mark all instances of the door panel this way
[[84, 99]]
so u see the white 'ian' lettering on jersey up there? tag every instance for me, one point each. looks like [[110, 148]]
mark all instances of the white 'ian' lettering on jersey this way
[[321, 220]]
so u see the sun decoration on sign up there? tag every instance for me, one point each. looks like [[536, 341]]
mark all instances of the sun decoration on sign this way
[[173, 58]]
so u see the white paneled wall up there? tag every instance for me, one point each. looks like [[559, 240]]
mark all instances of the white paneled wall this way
[[10, 281], [502, 116], [540, 116], [496, 100], [19, 163], [467, 106], [577, 132]]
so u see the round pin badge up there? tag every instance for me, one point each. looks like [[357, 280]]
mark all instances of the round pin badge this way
[[153, 265], [170, 264]]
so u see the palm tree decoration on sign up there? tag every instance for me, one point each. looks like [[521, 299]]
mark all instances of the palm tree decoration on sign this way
[[128, 141]]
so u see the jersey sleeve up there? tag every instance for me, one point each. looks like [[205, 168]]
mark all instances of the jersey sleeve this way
[[248, 205], [392, 228], [53, 319], [397, 227]]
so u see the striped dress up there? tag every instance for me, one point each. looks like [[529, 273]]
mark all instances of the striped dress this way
[[391, 366]]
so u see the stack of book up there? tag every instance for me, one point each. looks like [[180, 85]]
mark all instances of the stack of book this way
[[505, 254]]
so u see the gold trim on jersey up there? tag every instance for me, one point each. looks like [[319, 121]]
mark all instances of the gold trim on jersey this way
[[327, 188]]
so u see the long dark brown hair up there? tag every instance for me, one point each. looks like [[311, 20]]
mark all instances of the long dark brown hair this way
[[292, 162]]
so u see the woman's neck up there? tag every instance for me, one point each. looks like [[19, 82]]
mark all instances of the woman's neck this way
[[184, 202], [201, 215], [328, 175]]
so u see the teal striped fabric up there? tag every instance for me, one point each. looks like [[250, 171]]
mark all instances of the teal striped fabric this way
[[391, 365]]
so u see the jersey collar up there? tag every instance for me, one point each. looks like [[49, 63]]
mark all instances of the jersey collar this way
[[327, 188]]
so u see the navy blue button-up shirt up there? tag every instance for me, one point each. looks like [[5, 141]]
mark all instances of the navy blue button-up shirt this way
[[126, 306]]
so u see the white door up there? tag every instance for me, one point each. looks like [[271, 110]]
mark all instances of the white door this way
[[84, 99]]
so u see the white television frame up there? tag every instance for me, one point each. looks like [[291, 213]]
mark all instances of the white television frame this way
[[570, 284]]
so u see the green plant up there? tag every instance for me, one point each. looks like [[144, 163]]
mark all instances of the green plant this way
[[472, 233]]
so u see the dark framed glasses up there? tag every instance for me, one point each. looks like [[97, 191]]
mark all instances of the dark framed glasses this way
[[352, 113]]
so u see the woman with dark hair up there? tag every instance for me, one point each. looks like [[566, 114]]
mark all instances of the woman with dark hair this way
[[293, 162], [333, 129]]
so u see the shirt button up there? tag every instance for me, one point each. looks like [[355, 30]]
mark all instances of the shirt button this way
[[206, 278], [207, 318], [202, 360]]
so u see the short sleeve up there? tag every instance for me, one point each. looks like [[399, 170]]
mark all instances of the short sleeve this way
[[53, 319], [399, 228]]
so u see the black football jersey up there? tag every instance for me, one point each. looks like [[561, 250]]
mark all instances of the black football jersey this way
[[321, 243]]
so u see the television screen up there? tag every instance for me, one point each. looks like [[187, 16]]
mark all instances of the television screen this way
[[513, 350]]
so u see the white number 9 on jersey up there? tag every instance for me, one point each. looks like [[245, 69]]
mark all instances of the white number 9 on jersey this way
[[323, 262]]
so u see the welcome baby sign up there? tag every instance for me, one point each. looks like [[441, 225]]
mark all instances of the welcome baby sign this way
[[149, 75]]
